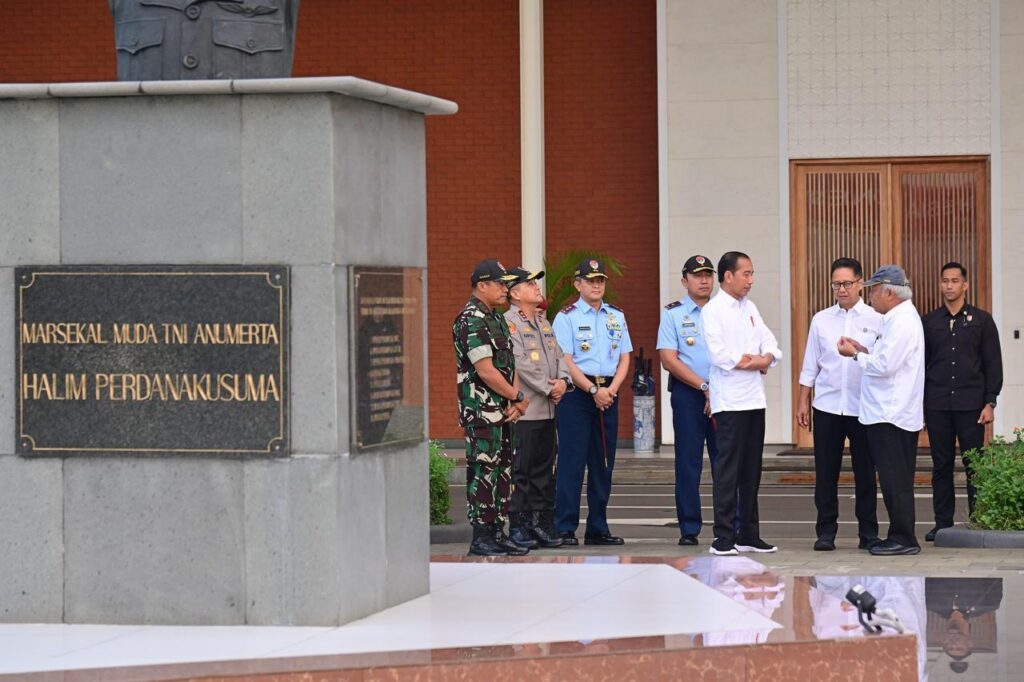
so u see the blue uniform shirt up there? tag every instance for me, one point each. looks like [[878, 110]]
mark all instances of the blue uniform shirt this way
[[596, 338], [679, 324]]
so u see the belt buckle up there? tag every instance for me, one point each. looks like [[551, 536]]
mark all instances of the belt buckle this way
[[599, 381]]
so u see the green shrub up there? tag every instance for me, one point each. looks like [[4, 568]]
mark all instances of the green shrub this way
[[440, 498], [999, 481]]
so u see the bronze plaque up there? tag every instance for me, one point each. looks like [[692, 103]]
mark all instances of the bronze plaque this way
[[387, 356], [152, 360]]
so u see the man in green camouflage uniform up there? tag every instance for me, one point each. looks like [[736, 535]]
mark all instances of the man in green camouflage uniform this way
[[489, 403]]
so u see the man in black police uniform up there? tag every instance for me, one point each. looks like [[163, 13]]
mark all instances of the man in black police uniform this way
[[963, 377]]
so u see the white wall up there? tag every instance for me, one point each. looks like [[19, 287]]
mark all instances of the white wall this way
[[722, 147], [1011, 255]]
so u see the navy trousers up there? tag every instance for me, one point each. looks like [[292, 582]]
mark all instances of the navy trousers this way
[[580, 447], [692, 430]]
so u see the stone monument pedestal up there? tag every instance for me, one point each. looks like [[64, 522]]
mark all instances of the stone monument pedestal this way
[[320, 175]]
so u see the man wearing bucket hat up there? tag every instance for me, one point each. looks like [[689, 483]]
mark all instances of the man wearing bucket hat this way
[[891, 401], [489, 402], [595, 341], [544, 378], [684, 355]]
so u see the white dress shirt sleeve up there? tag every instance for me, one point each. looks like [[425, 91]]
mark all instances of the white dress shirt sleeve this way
[[769, 344], [809, 370]]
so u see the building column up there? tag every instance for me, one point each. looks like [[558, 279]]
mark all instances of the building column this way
[[531, 96]]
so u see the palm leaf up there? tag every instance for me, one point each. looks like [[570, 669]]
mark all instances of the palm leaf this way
[[558, 274]]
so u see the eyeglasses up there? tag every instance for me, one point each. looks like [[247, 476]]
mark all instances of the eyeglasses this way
[[836, 286]]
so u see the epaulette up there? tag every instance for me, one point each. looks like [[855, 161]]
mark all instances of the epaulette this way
[[569, 308], [615, 307], [674, 304]]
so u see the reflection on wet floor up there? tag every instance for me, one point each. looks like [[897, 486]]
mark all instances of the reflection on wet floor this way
[[956, 618], [970, 631]]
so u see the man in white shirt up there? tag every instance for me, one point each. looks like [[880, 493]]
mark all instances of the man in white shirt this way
[[891, 401], [741, 348], [836, 384]]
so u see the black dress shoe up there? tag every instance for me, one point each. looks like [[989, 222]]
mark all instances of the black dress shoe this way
[[688, 540], [867, 543], [893, 548], [603, 539], [824, 544], [930, 535], [568, 538]]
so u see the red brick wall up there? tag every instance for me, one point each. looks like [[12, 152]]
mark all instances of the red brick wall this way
[[601, 147], [466, 51], [601, 128]]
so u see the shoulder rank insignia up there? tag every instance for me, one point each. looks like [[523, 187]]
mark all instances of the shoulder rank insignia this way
[[569, 308], [674, 304], [615, 307]]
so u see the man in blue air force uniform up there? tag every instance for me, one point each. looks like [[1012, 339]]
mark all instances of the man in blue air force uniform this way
[[594, 337], [684, 355]]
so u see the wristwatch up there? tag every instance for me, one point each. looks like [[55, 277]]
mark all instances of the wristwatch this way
[[705, 387], [992, 405], [592, 390], [569, 386], [519, 397]]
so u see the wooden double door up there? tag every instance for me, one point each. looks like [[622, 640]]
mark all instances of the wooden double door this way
[[917, 213]]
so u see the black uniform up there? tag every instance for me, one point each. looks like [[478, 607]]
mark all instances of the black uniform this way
[[963, 373]]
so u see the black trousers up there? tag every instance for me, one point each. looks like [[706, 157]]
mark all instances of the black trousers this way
[[830, 434], [737, 475], [533, 467], [894, 453], [945, 428]]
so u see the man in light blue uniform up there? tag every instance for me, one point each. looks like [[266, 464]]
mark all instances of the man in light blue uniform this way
[[684, 355], [594, 337]]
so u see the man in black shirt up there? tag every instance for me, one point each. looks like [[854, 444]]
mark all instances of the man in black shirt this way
[[963, 377]]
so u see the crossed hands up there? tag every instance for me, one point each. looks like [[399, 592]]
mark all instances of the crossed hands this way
[[516, 410], [760, 363], [604, 398], [558, 387]]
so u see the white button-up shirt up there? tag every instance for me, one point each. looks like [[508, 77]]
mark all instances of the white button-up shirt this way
[[892, 386], [836, 380], [733, 328]]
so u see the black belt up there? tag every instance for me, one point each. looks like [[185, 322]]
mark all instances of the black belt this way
[[599, 381]]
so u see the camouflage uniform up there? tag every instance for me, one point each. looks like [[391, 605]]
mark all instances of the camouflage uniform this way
[[478, 333]]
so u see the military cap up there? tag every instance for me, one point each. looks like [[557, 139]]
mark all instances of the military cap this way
[[697, 264], [523, 275], [591, 268], [490, 270]]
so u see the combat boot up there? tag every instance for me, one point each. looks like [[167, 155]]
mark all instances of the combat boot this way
[[543, 529], [511, 548], [485, 542], [519, 530]]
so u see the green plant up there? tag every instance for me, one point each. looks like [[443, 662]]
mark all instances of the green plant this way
[[558, 275], [440, 497], [999, 481]]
